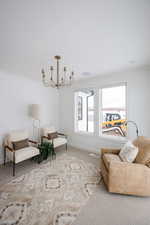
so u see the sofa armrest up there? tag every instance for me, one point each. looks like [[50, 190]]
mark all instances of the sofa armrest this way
[[129, 178], [109, 150]]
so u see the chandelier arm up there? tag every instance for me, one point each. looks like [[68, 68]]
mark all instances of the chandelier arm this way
[[57, 58], [60, 81], [49, 83]]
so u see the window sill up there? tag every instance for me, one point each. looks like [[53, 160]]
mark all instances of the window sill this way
[[84, 133], [114, 138]]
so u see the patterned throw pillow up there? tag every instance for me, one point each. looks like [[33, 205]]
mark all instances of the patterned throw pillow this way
[[128, 152], [20, 144], [53, 135]]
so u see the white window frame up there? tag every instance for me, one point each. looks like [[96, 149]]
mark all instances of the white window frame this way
[[97, 112], [105, 136], [76, 113]]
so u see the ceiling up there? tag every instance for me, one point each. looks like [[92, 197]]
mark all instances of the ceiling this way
[[94, 37]]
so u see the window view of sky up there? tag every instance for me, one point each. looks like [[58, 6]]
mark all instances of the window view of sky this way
[[114, 97]]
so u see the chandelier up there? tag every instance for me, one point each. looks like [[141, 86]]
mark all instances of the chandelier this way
[[61, 80]]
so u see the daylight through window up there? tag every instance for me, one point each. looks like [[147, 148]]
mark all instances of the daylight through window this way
[[113, 110], [84, 111]]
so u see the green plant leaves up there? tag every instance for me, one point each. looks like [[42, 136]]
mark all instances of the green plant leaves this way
[[46, 149]]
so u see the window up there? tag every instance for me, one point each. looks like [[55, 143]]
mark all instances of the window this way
[[84, 111], [113, 110]]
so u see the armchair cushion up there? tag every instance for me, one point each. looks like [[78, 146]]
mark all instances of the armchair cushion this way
[[20, 144], [15, 136], [52, 135], [23, 154], [107, 158], [58, 141], [48, 130], [18, 135]]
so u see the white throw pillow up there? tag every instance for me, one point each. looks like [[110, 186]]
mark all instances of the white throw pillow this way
[[128, 152]]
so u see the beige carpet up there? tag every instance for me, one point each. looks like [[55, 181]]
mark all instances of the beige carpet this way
[[105, 208], [51, 194], [102, 208]]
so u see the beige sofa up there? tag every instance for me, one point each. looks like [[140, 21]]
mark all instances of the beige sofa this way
[[127, 178]]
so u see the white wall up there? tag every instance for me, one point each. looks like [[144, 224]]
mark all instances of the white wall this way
[[138, 108], [16, 94]]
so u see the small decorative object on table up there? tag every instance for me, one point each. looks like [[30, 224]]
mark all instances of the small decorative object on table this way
[[46, 149]]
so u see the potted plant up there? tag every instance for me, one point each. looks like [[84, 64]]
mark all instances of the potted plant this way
[[46, 150]]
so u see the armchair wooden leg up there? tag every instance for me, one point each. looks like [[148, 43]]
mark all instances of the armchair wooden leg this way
[[14, 163], [4, 155], [13, 168]]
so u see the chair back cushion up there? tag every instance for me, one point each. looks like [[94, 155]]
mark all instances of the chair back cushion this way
[[143, 145], [48, 130], [16, 136], [52, 135], [20, 144]]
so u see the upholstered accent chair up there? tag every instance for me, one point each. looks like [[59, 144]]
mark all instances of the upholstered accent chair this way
[[18, 147], [124, 177], [51, 135]]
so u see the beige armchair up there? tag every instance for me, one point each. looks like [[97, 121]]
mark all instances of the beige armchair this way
[[123, 177], [18, 147], [51, 135]]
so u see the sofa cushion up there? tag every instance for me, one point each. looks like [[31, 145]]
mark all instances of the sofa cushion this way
[[108, 157], [143, 145], [128, 152], [20, 144]]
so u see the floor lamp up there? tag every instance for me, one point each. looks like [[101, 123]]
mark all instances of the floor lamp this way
[[135, 125], [35, 114]]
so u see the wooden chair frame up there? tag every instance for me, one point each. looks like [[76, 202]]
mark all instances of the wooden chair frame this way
[[48, 138], [6, 147]]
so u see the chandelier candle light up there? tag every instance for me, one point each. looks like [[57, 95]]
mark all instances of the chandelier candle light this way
[[61, 80]]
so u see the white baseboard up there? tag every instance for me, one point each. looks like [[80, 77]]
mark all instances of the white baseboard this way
[[87, 149]]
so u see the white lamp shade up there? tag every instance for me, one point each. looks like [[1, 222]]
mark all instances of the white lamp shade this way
[[35, 111]]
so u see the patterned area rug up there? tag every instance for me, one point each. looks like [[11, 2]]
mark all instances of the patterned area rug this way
[[52, 194]]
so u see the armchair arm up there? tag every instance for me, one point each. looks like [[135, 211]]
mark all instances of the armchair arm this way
[[10, 149], [33, 142], [42, 138], [45, 137], [129, 178], [109, 150], [61, 134]]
